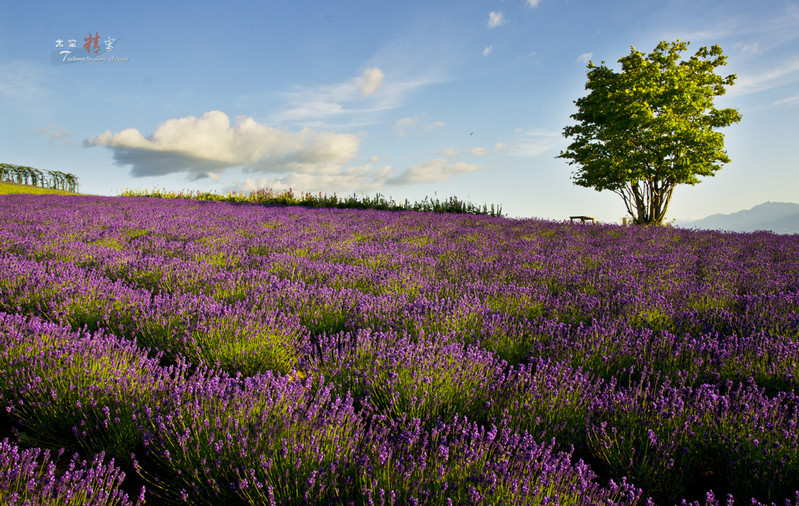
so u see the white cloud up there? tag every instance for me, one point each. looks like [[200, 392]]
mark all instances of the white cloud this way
[[55, 133], [531, 143], [772, 31], [478, 151], [403, 125], [585, 57], [753, 48], [372, 79], [352, 102], [363, 178], [533, 3], [794, 100], [495, 19], [314, 109], [205, 146], [488, 50], [434, 170], [771, 77]]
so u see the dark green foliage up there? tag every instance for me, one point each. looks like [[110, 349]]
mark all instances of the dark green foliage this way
[[267, 196], [644, 130]]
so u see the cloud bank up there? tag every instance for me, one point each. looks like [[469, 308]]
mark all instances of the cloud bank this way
[[366, 178], [206, 146], [434, 170]]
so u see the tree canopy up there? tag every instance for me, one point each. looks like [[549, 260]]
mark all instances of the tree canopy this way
[[651, 126]]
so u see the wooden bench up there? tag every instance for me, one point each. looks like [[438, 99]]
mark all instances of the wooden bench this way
[[582, 219]]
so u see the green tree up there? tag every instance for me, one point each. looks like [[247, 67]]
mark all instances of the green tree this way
[[644, 130]]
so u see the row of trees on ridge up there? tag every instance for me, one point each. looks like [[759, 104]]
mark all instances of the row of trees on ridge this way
[[52, 179]]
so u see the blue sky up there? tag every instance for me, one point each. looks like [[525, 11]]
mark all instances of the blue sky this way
[[408, 99]]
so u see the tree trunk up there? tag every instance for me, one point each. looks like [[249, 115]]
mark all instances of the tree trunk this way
[[647, 202]]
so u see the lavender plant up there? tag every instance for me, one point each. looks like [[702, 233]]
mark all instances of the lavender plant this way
[[262, 439], [336, 353], [34, 476], [75, 391]]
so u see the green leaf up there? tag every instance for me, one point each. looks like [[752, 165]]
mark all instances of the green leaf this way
[[651, 126]]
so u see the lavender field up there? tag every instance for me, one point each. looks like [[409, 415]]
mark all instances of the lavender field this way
[[176, 351]]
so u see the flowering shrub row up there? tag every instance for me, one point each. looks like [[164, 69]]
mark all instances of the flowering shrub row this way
[[269, 197]]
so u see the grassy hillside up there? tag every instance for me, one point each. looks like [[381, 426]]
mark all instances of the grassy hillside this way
[[8, 188]]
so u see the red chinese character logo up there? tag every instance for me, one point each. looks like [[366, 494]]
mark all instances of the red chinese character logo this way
[[88, 45]]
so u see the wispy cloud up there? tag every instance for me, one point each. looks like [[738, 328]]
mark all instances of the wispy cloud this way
[[722, 29], [352, 102], [314, 105], [208, 145], [404, 125], [488, 50], [22, 81], [479, 151], [365, 178], [533, 3], [753, 48], [750, 34], [585, 57], [766, 79], [496, 19], [794, 100], [755, 44], [439, 169], [54, 132], [531, 143]]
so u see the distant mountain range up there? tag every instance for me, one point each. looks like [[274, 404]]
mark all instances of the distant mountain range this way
[[778, 217]]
